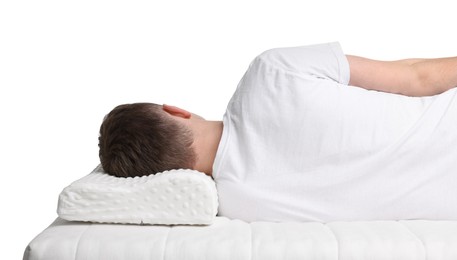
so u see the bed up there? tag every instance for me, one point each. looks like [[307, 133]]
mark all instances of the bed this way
[[173, 216], [235, 239]]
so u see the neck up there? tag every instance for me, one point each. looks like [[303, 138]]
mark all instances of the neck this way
[[207, 136]]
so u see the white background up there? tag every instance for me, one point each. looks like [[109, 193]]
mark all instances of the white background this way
[[65, 64]]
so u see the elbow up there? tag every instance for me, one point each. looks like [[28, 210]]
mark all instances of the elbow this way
[[428, 80], [420, 87], [420, 83], [423, 82]]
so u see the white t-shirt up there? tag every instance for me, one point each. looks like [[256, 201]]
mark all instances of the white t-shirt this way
[[300, 144]]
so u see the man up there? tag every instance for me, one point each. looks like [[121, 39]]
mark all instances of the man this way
[[299, 142]]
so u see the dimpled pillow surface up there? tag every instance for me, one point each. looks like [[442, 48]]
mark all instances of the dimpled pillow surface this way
[[171, 197]]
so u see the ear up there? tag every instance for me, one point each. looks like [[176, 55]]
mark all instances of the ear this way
[[176, 111]]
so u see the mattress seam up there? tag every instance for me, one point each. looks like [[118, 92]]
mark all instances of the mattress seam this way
[[79, 240], [252, 244], [336, 239], [166, 243], [417, 237]]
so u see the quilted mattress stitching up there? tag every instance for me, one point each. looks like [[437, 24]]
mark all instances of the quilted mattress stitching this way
[[336, 239], [166, 243], [416, 236], [252, 242], [79, 240]]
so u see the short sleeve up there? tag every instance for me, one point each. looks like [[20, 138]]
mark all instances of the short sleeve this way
[[322, 60]]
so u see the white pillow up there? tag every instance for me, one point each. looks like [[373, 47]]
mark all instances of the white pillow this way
[[170, 197]]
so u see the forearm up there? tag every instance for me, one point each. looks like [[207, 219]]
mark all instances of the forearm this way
[[436, 75], [411, 77]]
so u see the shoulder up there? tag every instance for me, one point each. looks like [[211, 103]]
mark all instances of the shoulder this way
[[300, 58]]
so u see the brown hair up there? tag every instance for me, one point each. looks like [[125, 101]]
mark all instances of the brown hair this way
[[141, 139]]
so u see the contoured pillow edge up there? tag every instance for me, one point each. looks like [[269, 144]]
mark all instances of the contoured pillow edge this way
[[180, 196]]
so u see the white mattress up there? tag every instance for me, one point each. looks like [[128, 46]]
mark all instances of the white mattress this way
[[238, 240]]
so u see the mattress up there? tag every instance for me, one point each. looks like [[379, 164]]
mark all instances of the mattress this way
[[238, 240]]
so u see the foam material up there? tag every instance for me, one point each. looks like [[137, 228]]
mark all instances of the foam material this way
[[171, 197]]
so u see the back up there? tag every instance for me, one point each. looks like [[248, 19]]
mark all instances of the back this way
[[299, 144]]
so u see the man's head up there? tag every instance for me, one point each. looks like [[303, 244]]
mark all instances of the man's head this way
[[141, 139]]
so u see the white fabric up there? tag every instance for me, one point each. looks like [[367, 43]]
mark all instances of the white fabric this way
[[299, 144], [170, 197], [235, 239]]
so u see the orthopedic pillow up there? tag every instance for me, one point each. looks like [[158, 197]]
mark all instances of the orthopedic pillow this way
[[171, 197]]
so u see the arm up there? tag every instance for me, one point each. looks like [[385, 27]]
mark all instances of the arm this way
[[411, 77]]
